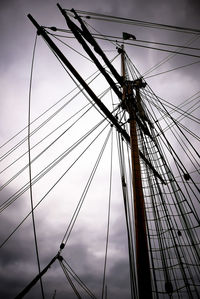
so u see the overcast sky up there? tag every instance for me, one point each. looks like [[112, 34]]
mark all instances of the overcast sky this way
[[85, 250]]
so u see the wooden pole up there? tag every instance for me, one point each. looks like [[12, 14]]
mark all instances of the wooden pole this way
[[35, 280], [142, 256]]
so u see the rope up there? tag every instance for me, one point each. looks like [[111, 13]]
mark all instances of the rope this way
[[96, 74], [77, 278], [97, 16], [178, 51], [171, 70], [108, 220], [45, 170], [69, 279], [84, 193], [30, 174], [53, 186], [152, 48]]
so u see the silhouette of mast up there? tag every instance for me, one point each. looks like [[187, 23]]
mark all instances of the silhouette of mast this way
[[142, 257]]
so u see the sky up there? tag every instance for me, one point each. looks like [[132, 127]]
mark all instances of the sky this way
[[50, 82]]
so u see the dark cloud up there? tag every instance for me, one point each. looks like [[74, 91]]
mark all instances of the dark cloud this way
[[18, 267]]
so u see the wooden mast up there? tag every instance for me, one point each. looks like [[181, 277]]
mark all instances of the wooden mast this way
[[142, 257]]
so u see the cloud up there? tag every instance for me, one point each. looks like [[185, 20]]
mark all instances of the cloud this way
[[86, 248]]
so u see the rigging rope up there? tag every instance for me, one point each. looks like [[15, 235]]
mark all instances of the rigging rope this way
[[84, 193], [108, 220], [45, 170], [70, 271], [179, 107], [53, 186], [152, 48], [170, 56], [171, 70], [30, 173], [52, 143], [69, 279], [45, 137], [97, 16], [96, 74]]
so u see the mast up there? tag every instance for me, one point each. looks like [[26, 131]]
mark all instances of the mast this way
[[142, 257]]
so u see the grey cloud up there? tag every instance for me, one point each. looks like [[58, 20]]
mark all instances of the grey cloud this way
[[18, 261]]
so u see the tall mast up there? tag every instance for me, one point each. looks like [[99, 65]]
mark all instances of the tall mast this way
[[142, 257]]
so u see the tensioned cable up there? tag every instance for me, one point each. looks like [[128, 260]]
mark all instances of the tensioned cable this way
[[77, 278], [179, 107], [152, 48], [181, 166], [177, 121], [102, 36], [171, 70], [108, 219], [53, 131], [84, 193], [46, 120], [153, 68], [182, 47], [43, 151], [51, 107], [189, 100], [69, 47], [91, 15], [174, 109], [170, 125], [44, 138], [51, 144], [188, 194], [181, 113], [30, 173], [69, 270], [69, 279], [45, 170], [128, 206], [53, 186], [181, 117], [23, 189]]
